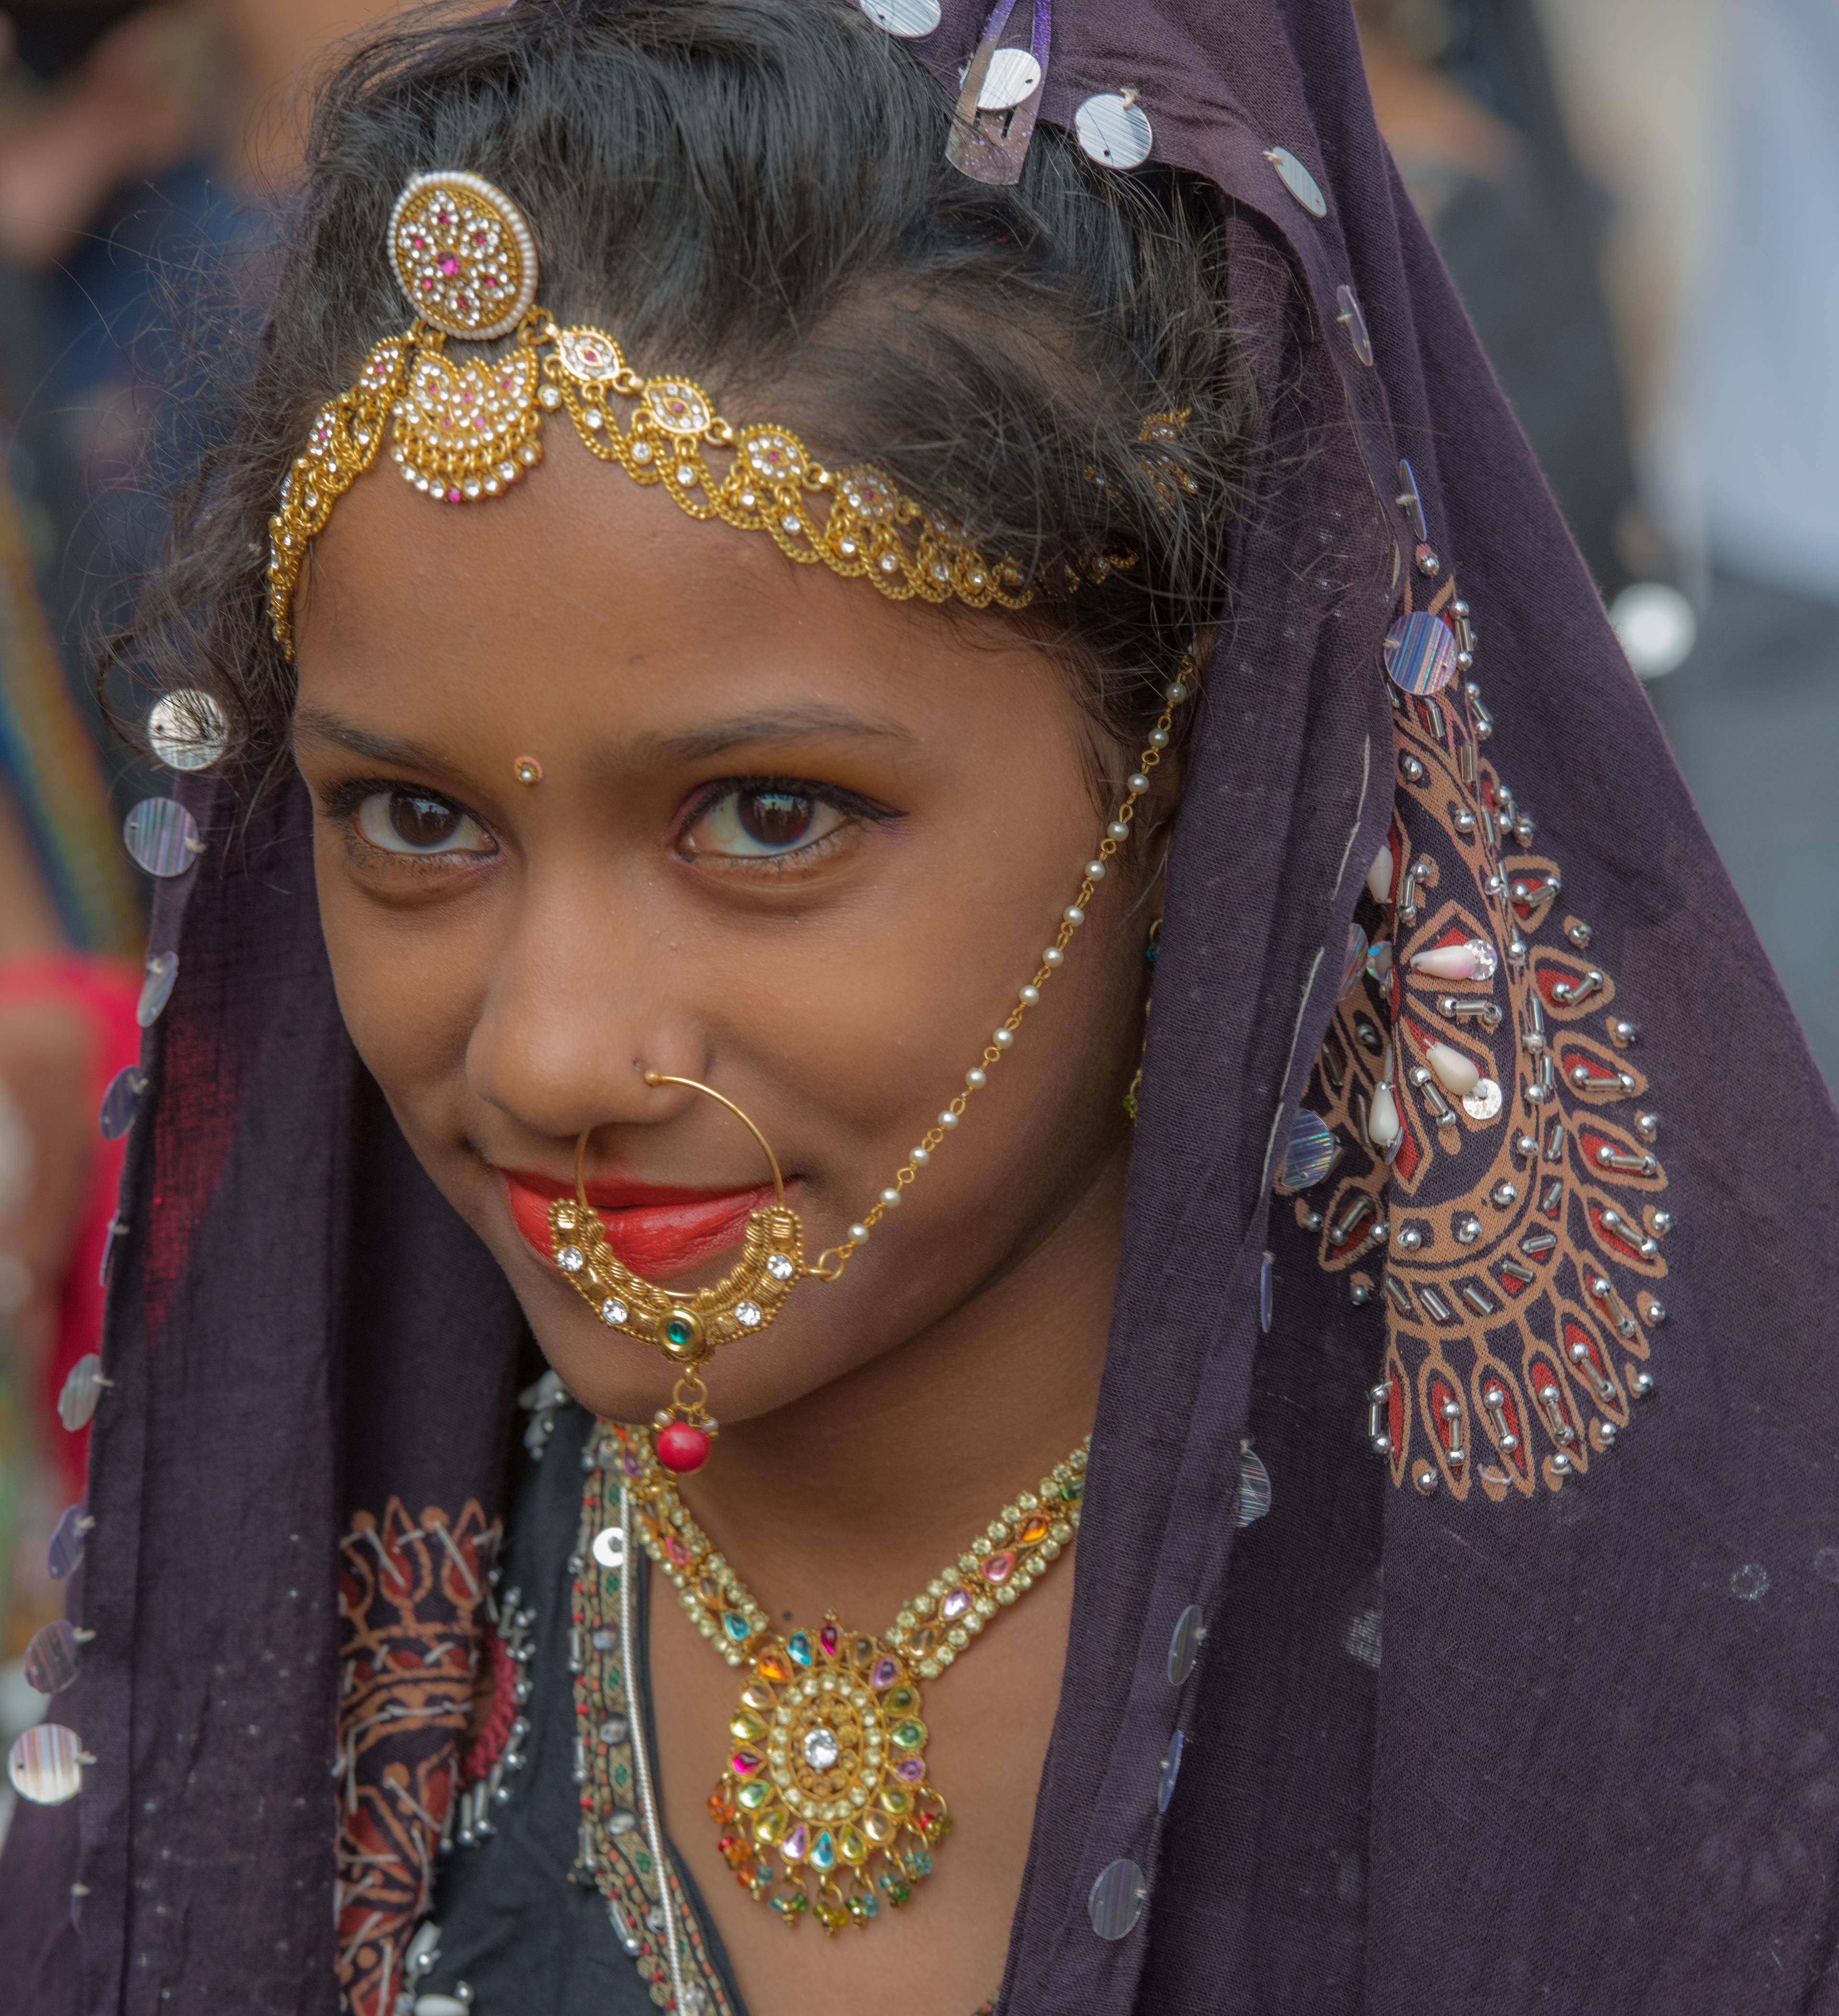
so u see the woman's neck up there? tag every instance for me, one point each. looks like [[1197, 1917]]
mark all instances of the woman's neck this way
[[855, 1496]]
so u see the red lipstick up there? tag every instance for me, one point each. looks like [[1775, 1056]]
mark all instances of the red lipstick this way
[[659, 1230]]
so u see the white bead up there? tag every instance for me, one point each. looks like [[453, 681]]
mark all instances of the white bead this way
[[1456, 1073], [1379, 877], [947, 1118], [1117, 831], [891, 1197], [976, 1078], [1030, 996], [1002, 1038], [1053, 956], [1074, 915], [1175, 694], [858, 1233], [1095, 871], [1136, 785], [919, 1157], [1382, 1124], [1158, 738]]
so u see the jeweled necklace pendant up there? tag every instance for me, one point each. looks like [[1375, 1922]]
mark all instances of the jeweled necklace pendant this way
[[824, 1805]]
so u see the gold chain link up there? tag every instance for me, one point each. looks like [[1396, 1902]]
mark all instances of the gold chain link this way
[[829, 1263]]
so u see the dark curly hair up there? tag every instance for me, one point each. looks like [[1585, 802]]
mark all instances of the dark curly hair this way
[[756, 192]]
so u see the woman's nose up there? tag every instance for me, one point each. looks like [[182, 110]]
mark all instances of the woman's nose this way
[[586, 998]]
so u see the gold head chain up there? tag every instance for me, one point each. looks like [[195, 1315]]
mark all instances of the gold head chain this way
[[465, 258]]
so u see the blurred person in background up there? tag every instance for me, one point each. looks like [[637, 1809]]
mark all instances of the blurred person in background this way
[[1464, 96], [1753, 714], [138, 144]]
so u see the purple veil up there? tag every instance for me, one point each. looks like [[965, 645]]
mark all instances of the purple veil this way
[[1520, 1695]]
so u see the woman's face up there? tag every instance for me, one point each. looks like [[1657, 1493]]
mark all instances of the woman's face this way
[[790, 839]]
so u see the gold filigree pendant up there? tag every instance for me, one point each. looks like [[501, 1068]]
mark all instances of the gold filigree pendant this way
[[824, 1806]]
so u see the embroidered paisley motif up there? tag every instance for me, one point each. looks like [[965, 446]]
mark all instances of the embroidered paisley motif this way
[[1491, 1175]]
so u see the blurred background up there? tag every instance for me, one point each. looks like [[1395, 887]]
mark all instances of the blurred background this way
[[1640, 202]]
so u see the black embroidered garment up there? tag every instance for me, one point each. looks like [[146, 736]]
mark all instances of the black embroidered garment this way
[[1520, 1697]]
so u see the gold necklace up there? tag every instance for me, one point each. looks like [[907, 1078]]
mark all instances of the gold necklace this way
[[825, 1800]]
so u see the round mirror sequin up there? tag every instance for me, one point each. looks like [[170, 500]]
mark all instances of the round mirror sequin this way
[[82, 1390], [1184, 1647], [157, 987], [51, 1658], [1012, 76], [908, 19], [187, 730], [162, 837], [1297, 180], [1117, 1899], [1171, 1770], [64, 1556], [610, 1547], [1353, 965], [1254, 1487], [120, 1101], [1313, 1151], [1114, 129], [46, 1764], [1349, 315], [1421, 653]]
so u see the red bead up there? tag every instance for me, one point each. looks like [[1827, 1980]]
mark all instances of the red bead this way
[[682, 1447]]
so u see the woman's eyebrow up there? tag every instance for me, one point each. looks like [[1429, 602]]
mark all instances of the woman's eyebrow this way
[[771, 724], [313, 724]]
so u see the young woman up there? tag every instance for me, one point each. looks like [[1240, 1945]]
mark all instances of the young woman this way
[[761, 591]]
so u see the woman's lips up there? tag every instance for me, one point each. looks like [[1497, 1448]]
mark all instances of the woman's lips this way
[[658, 1229]]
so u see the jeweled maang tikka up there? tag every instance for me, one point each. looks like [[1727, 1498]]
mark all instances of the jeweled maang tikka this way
[[465, 258]]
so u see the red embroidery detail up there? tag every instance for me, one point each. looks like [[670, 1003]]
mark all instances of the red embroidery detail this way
[[409, 1597]]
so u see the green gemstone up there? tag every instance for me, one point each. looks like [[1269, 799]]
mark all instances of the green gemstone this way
[[899, 1890], [752, 1796], [1072, 1493], [679, 1330], [899, 1701], [909, 1736]]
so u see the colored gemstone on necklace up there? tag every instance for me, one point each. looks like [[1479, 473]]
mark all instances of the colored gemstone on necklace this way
[[823, 1851], [770, 1825], [829, 1638], [1033, 1529], [736, 1626], [751, 1798], [957, 1601], [772, 1664], [821, 1749], [799, 1646], [912, 1769], [853, 1846], [680, 1329], [909, 1736], [744, 1763], [885, 1674], [747, 1727], [998, 1567], [797, 1844], [903, 1701]]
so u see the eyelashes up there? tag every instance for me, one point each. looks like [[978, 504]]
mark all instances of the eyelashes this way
[[775, 823], [419, 824]]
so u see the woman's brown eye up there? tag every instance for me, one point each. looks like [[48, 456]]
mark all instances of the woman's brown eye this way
[[409, 822], [756, 823], [774, 819]]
